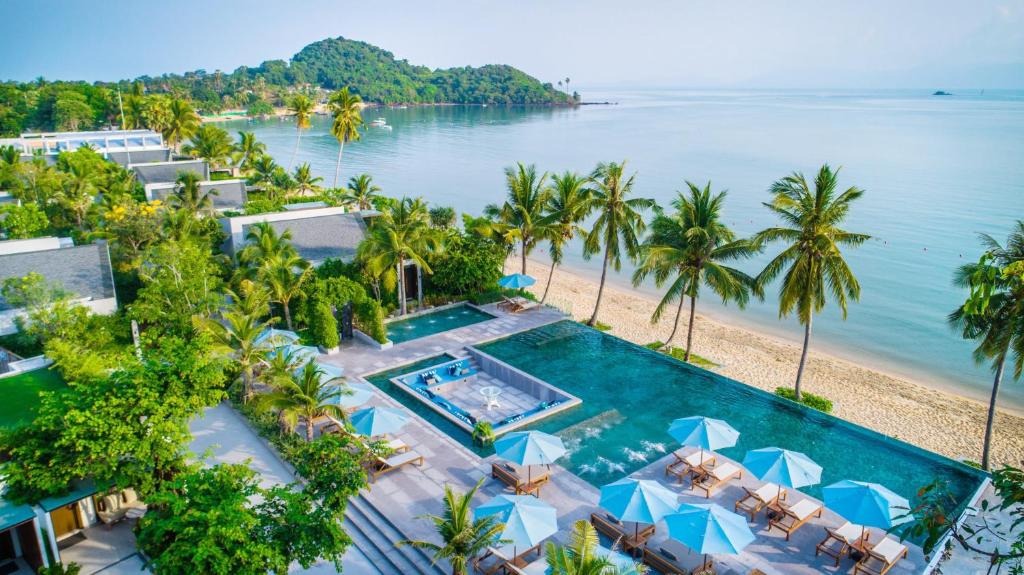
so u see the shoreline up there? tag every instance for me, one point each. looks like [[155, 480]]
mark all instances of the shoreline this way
[[935, 419]]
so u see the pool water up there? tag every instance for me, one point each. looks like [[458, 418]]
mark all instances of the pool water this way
[[435, 322]]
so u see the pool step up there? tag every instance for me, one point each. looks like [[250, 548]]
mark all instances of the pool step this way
[[375, 536]]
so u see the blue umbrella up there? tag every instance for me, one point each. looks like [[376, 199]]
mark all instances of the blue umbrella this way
[[786, 468], [300, 354], [530, 448], [527, 519], [276, 337], [703, 432], [377, 420], [709, 529], [638, 500], [867, 504], [516, 281], [360, 395]]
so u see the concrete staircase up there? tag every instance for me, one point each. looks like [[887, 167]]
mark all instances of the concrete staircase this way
[[375, 535]]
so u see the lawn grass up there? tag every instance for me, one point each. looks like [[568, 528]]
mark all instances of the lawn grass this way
[[680, 353], [21, 395], [598, 325]]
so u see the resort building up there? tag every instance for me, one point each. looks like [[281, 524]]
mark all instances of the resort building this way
[[120, 146], [21, 546], [225, 194], [83, 271], [318, 233], [167, 172]]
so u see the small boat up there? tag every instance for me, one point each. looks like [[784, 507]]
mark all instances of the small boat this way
[[379, 122]]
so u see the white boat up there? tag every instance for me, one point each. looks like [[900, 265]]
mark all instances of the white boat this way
[[379, 122]]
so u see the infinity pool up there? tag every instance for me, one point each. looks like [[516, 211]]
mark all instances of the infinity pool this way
[[435, 322]]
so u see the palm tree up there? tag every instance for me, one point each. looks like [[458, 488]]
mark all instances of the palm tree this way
[[618, 224], [263, 170], [264, 244], [813, 262], [690, 247], [302, 108], [247, 150], [580, 556], [462, 537], [361, 192], [189, 196], [402, 234], [304, 396], [346, 109], [305, 181], [523, 210], [993, 315], [239, 326], [182, 123], [284, 276], [210, 143], [569, 202]]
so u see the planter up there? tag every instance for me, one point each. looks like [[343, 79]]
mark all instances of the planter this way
[[370, 341]]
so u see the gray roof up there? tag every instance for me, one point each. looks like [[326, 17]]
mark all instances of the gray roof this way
[[81, 270], [163, 172], [322, 237], [230, 193], [140, 156]]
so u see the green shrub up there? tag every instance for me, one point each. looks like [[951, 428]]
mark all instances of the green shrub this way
[[495, 294], [22, 344], [370, 319], [809, 399], [680, 353], [467, 265], [323, 328], [483, 433], [261, 206], [599, 325]]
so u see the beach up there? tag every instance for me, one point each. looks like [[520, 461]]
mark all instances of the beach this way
[[933, 419]]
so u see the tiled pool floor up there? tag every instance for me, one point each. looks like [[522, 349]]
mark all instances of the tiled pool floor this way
[[466, 394]]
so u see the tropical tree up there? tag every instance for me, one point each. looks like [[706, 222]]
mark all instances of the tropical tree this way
[[181, 123], [361, 192], [347, 111], [580, 556], [619, 221], [442, 217], [189, 196], [993, 314], [690, 248], [402, 234], [523, 210], [247, 150], [263, 244], [490, 227], [284, 276], [300, 106], [210, 143], [304, 396], [569, 202], [305, 181], [263, 171], [812, 260], [463, 537]]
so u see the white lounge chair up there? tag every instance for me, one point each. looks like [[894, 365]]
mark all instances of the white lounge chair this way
[[757, 499], [792, 517], [711, 479], [881, 557], [382, 465], [686, 465], [839, 541]]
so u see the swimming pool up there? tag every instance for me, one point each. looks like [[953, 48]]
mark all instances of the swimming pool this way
[[437, 321]]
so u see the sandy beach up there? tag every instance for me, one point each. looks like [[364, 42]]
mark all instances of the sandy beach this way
[[935, 420]]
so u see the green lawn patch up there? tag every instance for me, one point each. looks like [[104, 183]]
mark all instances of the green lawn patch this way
[[598, 325], [21, 395], [809, 399], [680, 353]]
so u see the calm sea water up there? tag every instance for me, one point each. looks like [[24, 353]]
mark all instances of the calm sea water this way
[[937, 171]]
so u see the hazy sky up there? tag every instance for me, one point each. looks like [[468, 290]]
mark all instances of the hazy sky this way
[[686, 43]]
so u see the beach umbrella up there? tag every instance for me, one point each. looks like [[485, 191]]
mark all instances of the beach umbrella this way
[[783, 467], [301, 354], [528, 520], [276, 337], [529, 448], [359, 395], [867, 504], [516, 281], [703, 432], [638, 500], [377, 420], [709, 529]]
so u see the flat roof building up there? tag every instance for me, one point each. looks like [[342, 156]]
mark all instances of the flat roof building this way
[[230, 194], [317, 233]]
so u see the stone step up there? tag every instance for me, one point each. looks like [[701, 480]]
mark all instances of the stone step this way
[[355, 529], [380, 551], [391, 535]]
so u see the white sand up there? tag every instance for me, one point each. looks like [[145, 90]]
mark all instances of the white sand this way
[[935, 420]]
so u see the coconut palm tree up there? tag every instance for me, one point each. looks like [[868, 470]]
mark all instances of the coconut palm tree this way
[[361, 192], [247, 149], [189, 196], [235, 333], [690, 248], [569, 202], [264, 244], [993, 315], [462, 537], [181, 123], [210, 143], [304, 396], [300, 106], [285, 276], [347, 111], [263, 170], [305, 182], [402, 234], [523, 210], [580, 556], [619, 221], [813, 261]]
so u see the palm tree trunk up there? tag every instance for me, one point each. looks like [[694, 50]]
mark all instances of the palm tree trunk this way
[[689, 330], [524, 257], [337, 168], [246, 383], [551, 273], [675, 326], [600, 290], [298, 136], [803, 356], [990, 423], [287, 315], [401, 286], [309, 429]]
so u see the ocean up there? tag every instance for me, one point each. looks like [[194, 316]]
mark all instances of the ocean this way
[[937, 171]]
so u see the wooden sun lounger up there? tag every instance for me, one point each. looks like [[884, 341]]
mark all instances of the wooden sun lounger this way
[[662, 561], [789, 518], [838, 542], [507, 475], [689, 465], [881, 557], [382, 465], [616, 531], [711, 479], [756, 500]]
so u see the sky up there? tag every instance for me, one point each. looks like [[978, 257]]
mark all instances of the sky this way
[[941, 44]]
